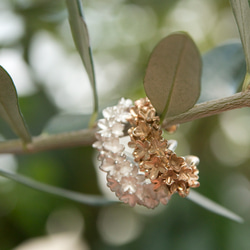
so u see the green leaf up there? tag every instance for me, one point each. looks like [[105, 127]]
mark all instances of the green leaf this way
[[81, 38], [93, 200], [67, 123], [9, 107], [172, 80], [224, 68], [212, 206], [241, 12]]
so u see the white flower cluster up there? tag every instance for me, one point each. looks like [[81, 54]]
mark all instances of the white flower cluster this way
[[123, 174]]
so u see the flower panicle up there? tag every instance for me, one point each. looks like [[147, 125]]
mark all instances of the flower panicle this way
[[154, 172]]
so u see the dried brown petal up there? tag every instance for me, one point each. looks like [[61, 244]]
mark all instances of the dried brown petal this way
[[141, 151], [176, 162], [169, 177], [157, 183], [156, 133], [147, 114], [143, 102], [187, 173], [193, 183], [180, 187], [153, 167], [158, 147], [142, 130]]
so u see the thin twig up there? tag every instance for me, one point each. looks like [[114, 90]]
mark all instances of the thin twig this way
[[86, 137], [236, 101], [44, 142]]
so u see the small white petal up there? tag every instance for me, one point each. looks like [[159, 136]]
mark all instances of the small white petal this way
[[113, 146], [192, 160], [172, 144], [124, 141]]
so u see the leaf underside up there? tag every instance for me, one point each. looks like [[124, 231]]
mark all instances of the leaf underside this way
[[80, 35], [9, 107], [213, 207], [241, 12], [172, 80]]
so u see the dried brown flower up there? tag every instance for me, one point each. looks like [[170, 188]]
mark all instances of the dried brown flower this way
[[156, 172], [147, 114], [141, 131], [141, 151], [170, 177], [166, 171], [158, 147], [190, 175], [181, 187], [156, 134], [176, 162], [153, 167]]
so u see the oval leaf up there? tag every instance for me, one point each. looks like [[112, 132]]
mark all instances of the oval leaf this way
[[224, 68], [81, 38], [213, 207], [172, 80], [9, 107], [241, 10]]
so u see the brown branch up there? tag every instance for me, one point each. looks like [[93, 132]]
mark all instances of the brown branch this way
[[209, 108], [86, 137], [48, 142]]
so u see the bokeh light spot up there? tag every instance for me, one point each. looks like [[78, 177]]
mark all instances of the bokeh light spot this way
[[110, 221]]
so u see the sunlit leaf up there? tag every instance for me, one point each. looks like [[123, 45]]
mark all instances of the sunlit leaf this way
[[241, 12], [224, 68], [81, 38], [213, 207], [66, 123], [93, 200], [172, 80], [9, 107]]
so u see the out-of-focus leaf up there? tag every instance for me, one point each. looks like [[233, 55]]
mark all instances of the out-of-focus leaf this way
[[81, 38], [213, 207], [9, 107], [224, 68], [241, 10], [66, 123], [172, 80], [93, 200]]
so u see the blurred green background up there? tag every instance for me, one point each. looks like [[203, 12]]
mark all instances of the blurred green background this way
[[37, 50]]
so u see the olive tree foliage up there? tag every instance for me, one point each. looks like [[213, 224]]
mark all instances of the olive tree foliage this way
[[173, 80]]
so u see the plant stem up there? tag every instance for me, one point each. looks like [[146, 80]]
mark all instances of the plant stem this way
[[45, 142], [86, 137], [209, 108]]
